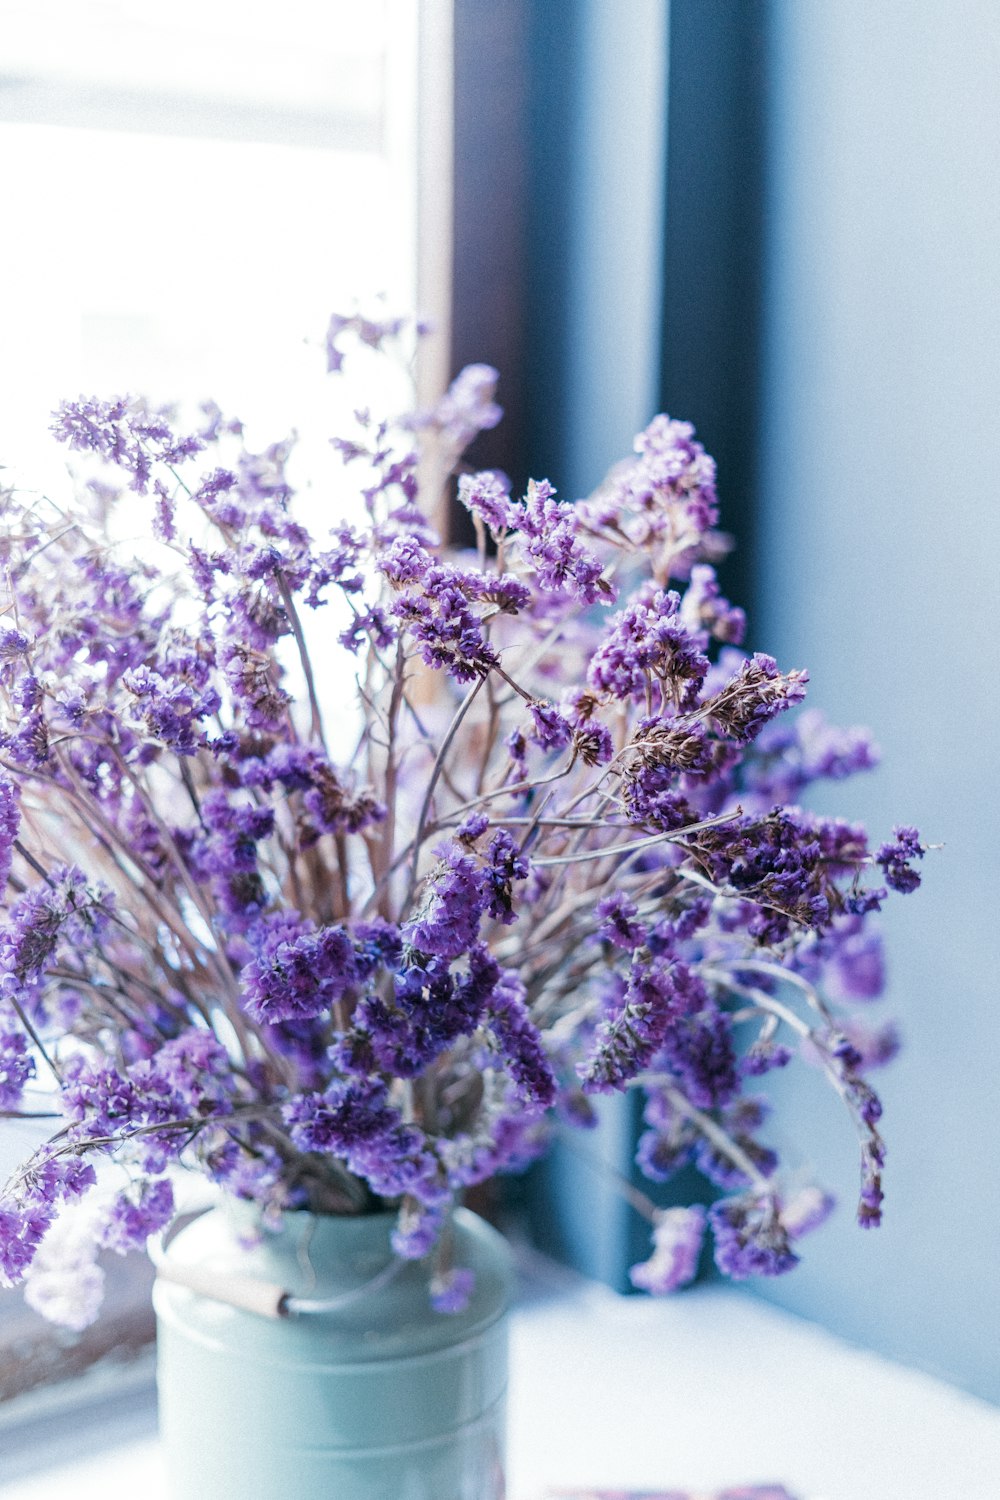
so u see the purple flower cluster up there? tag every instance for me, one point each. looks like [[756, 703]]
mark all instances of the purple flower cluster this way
[[125, 434], [788, 864], [65, 913], [467, 407], [136, 1213], [677, 1239], [445, 610], [648, 643], [565, 852], [16, 1066], [897, 857], [752, 698], [10, 822], [750, 1238], [296, 972], [665, 503]]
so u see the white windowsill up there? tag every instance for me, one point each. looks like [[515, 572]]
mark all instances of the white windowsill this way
[[708, 1389]]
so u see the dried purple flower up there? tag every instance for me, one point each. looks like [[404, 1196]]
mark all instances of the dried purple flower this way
[[896, 859], [677, 1240], [566, 860], [451, 1290], [750, 1238]]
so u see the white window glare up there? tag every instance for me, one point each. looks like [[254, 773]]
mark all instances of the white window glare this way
[[183, 262], [310, 55]]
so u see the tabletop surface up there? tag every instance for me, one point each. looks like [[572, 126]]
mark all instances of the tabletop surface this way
[[708, 1389]]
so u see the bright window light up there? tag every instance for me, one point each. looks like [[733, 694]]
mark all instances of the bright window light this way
[[187, 196]]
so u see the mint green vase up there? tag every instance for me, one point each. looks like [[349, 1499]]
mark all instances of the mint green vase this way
[[378, 1397]]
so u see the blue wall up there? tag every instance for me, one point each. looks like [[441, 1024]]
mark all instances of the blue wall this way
[[879, 568], [876, 526], [596, 176], [595, 240]]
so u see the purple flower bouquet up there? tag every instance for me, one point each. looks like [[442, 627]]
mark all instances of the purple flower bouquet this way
[[563, 855]]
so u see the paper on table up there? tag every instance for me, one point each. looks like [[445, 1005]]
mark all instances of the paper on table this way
[[741, 1492]]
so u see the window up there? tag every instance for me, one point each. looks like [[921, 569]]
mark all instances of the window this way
[[188, 193]]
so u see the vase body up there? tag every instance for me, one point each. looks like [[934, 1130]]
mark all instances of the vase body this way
[[380, 1399]]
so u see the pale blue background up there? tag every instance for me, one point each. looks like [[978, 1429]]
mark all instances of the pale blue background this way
[[870, 486], [881, 570]]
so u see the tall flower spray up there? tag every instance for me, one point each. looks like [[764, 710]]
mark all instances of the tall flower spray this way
[[565, 857]]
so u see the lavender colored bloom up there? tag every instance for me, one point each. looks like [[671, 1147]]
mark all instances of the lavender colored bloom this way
[[14, 644], [617, 922], [832, 753], [718, 1166], [405, 561], [873, 1046], [66, 909], [373, 625], [487, 495], [197, 1069], [442, 621], [552, 730], [652, 800], [451, 1290], [298, 972], [16, 1067], [472, 828], [226, 853], [350, 1115], [250, 676], [704, 608], [634, 1031], [418, 1228], [806, 1210], [698, 1047], [549, 538], [374, 332], [354, 1121], [896, 859], [122, 433], [856, 969], [648, 643], [520, 1044], [98, 1094], [453, 905], [28, 745], [21, 1232], [10, 822], [670, 1142], [659, 1156], [674, 471], [787, 863], [504, 865], [592, 740], [431, 1007], [677, 1241], [141, 1210], [754, 696], [762, 1057], [332, 803], [750, 1239], [505, 592], [467, 407]]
